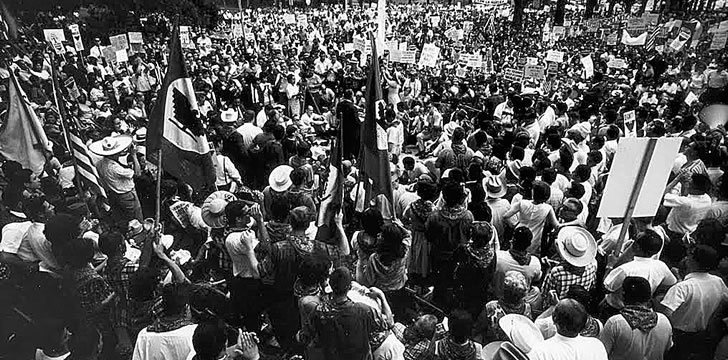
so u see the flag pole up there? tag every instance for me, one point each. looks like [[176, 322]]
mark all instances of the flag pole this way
[[77, 177]]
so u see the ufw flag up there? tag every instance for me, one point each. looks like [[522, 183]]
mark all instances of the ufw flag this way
[[334, 196], [374, 155], [22, 138], [175, 127]]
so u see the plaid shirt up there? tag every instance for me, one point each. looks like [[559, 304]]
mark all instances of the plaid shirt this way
[[221, 257], [118, 275], [417, 350], [91, 289], [563, 276]]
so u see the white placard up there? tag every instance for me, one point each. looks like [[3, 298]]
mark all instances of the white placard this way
[[430, 54], [76, 35], [588, 66], [50, 34], [121, 56], [555, 56]]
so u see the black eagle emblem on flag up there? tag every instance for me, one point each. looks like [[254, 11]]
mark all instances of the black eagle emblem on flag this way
[[185, 118]]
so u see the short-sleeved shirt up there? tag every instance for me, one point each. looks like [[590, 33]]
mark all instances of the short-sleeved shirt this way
[[624, 343], [114, 176], [505, 263], [561, 347], [694, 300], [343, 329], [654, 271], [12, 241], [562, 277]]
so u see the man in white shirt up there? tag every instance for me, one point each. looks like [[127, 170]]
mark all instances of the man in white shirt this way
[[570, 318], [322, 65], [504, 111], [414, 84], [658, 275], [248, 129], [686, 211], [691, 303]]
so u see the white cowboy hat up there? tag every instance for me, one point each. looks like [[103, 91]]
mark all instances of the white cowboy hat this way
[[524, 334], [140, 135], [229, 116], [111, 145], [213, 209], [280, 178], [576, 245], [494, 187]]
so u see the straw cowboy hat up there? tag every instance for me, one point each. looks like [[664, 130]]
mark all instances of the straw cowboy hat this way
[[494, 187], [213, 209], [280, 178], [524, 334], [111, 145], [140, 136], [576, 245], [229, 116]]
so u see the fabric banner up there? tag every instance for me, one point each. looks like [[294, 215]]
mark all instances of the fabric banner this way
[[634, 41]]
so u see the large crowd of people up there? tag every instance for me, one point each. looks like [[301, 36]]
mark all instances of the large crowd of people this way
[[491, 247]]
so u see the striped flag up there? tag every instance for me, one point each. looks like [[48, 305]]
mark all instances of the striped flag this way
[[334, 196], [490, 26], [652, 39], [8, 26], [84, 165]]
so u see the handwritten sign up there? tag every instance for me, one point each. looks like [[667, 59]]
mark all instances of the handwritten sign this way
[[435, 21], [289, 19], [395, 55], [612, 38], [719, 40], [430, 54], [136, 38], [76, 35], [119, 42], [630, 123], [588, 66], [511, 74], [121, 56], [558, 31], [537, 72], [636, 25], [302, 19], [617, 64], [552, 69], [555, 56], [408, 56], [51, 34]]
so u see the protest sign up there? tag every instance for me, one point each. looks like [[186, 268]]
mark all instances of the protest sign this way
[[612, 38], [119, 42], [467, 26], [395, 55], [76, 35], [184, 38], [70, 84], [636, 25], [461, 71], [430, 54], [289, 19], [536, 72], [691, 98], [475, 61], [651, 18], [349, 47], [390, 45], [531, 61], [360, 43], [617, 64], [403, 46], [553, 68], [302, 19], [121, 56], [511, 74], [51, 34], [630, 123], [558, 31], [588, 66], [655, 158], [435, 21], [408, 57], [555, 56], [136, 38], [237, 31], [109, 54], [719, 40]]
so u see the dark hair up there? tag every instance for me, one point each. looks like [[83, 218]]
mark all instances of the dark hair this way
[[528, 174], [461, 325], [143, 284], [596, 156], [453, 193], [391, 247], [209, 339], [709, 232], [612, 132], [701, 183], [481, 234], [705, 257], [580, 294], [569, 317], [517, 153], [553, 141], [340, 281], [582, 173], [84, 342], [458, 135], [314, 270], [234, 210], [723, 186], [549, 176], [576, 190], [298, 176], [78, 253], [481, 211], [426, 190], [566, 158], [649, 242], [372, 221], [522, 238], [51, 332], [541, 192], [636, 290], [33, 207], [110, 243], [174, 298], [279, 132], [207, 302]]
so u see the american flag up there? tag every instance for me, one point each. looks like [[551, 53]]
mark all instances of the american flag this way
[[84, 166], [652, 39]]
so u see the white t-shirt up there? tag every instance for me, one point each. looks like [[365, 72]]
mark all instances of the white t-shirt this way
[[175, 344], [561, 347]]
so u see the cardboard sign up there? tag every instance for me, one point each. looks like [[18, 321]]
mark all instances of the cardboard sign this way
[[121, 56], [552, 69], [559, 31], [109, 54], [237, 31], [467, 26], [403, 46], [475, 61], [555, 56], [119, 42], [408, 57], [289, 19], [430, 55], [514, 75], [531, 61], [395, 55], [136, 38], [51, 34], [76, 35], [651, 19], [302, 19], [435, 21], [588, 66], [349, 47], [719, 40], [391, 45], [612, 38], [636, 25], [536, 72], [70, 84], [617, 64], [623, 176], [630, 123], [461, 71], [360, 43]]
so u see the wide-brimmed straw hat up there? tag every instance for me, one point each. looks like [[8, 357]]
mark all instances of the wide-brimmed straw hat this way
[[576, 245], [111, 145], [494, 187], [280, 178], [213, 209], [522, 332]]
